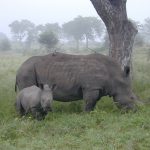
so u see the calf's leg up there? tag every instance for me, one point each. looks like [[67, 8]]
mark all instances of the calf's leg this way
[[37, 114]]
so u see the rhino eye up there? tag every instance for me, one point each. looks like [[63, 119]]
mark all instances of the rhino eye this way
[[132, 97]]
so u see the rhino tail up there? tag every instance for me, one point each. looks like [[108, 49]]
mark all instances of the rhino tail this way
[[35, 77], [16, 85]]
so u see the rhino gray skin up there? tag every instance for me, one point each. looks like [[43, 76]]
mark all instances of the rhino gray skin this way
[[87, 77], [33, 99]]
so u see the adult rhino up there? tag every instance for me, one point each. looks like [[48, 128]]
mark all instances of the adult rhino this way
[[79, 76]]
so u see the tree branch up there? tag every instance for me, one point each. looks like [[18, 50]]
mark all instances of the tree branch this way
[[110, 10], [103, 7]]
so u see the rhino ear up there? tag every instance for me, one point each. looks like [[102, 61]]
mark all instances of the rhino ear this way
[[41, 86], [53, 87], [126, 71]]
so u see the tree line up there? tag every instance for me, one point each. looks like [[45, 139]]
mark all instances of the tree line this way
[[79, 30]]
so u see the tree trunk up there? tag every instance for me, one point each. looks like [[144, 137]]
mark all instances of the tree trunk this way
[[120, 30]]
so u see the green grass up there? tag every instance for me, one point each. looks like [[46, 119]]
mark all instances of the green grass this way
[[68, 127]]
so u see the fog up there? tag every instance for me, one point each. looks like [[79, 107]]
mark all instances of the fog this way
[[51, 11]]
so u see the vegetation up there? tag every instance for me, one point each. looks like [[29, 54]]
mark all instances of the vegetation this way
[[86, 33], [68, 127], [5, 44], [80, 28], [48, 39], [26, 34], [21, 29]]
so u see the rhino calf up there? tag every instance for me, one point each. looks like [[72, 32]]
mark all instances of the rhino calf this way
[[35, 100]]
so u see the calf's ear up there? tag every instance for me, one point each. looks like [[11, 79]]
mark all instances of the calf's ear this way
[[126, 71], [53, 87], [41, 86]]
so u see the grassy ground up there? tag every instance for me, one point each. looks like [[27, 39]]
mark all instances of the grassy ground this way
[[68, 127]]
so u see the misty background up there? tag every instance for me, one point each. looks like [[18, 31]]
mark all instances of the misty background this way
[[70, 26], [38, 27]]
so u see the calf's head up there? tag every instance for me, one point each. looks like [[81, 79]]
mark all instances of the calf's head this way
[[47, 97]]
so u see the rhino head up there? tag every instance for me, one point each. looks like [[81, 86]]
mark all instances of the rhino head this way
[[47, 97], [123, 95], [126, 100]]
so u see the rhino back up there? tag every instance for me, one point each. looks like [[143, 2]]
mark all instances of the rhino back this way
[[72, 73], [26, 75]]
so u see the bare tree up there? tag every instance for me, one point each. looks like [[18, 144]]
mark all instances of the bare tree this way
[[121, 31]]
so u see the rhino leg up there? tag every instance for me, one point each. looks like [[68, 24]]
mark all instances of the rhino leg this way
[[90, 97], [37, 114], [19, 108]]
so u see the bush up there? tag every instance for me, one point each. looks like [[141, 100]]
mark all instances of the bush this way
[[5, 45], [48, 39]]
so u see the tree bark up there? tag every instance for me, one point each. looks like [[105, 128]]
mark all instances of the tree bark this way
[[120, 30]]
